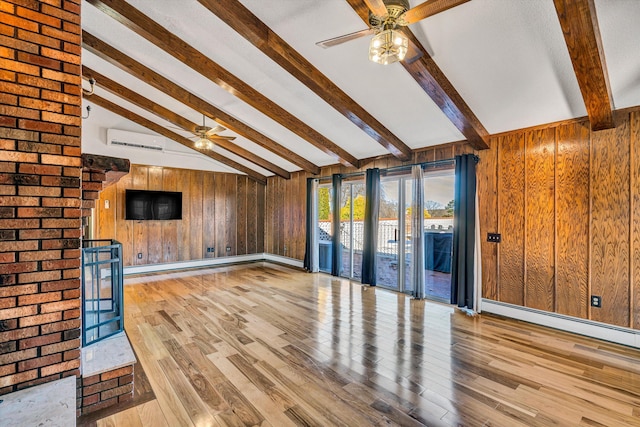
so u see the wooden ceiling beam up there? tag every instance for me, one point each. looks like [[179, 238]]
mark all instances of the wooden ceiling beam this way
[[249, 26], [430, 8], [582, 36], [435, 84], [129, 115], [170, 116], [142, 25], [135, 68]]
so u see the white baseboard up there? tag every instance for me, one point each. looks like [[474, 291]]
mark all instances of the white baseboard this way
[[283, 260], [211, 262], [603, 331], [154, 268]]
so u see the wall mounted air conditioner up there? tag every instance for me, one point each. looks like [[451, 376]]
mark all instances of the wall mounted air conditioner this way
[[136, 140]]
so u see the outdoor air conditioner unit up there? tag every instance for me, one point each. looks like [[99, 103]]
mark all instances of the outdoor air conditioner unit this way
[[135, 140]]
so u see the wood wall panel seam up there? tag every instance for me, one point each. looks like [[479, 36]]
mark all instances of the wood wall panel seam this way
[[634, 118], [555, 220], [590, 246], [631, 223], [524, 224], [498, 192]]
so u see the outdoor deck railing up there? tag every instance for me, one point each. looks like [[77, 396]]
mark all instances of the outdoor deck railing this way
[[387, 232]]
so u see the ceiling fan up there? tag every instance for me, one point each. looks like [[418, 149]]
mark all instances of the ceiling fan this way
[[206, 135], [387, 19]]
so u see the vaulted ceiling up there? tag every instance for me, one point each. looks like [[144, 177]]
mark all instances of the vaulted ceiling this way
[[253, 66]]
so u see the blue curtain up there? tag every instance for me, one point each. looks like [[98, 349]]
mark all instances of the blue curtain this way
[[417, 232], [464, 233], [336, 252], [370, 238], [311, 245]]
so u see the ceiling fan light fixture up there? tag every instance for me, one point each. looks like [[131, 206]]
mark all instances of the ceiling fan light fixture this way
[[388, 46], [204, 144]]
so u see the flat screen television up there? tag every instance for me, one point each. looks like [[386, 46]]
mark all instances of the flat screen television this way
[[153, 205]]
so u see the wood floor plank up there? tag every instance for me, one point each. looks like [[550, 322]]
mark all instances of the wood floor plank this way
[[173, 410], [195, 407], [150, 414], [265, 345], [271, 410]]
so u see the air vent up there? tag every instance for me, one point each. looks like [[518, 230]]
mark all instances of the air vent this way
[[134, 145], [135, 140]]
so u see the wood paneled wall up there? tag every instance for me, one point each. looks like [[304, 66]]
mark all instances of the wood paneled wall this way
[[567, 203], [286, 199], [219, 210]]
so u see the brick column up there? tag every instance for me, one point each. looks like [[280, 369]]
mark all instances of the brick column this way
[[40, 173]]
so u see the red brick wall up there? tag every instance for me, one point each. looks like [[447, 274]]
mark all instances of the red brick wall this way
[[40, 173], [103, 390], [92, 184]]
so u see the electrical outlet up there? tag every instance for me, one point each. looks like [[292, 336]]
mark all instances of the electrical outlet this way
[[494, 237], [596, 301], [139, 255], [228, 248]]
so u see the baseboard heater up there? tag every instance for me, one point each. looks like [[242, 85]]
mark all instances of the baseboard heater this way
[[212, 262], [589, 328]]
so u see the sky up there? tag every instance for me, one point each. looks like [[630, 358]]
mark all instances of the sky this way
[[438, 188]]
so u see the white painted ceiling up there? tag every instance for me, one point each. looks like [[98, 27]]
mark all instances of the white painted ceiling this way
[[506, 58]]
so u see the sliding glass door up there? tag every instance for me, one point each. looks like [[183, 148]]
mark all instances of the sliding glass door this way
[[393, 254], [394, 232], [438, 234], [390, 243], [352, 202], [325, 228], [407, 202]]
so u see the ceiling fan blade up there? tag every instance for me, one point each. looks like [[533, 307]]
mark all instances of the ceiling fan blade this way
[[221, 137], [377, 7], [215, 130], [178, 128], [345, 38], [427, 9], [413, 53]]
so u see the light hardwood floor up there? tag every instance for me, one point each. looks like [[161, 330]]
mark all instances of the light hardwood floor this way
[[264, 345]]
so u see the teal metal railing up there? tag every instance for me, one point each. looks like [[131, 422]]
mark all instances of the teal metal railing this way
[[102, 298]]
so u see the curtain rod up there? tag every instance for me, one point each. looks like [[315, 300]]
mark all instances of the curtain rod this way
[[396, 168]]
